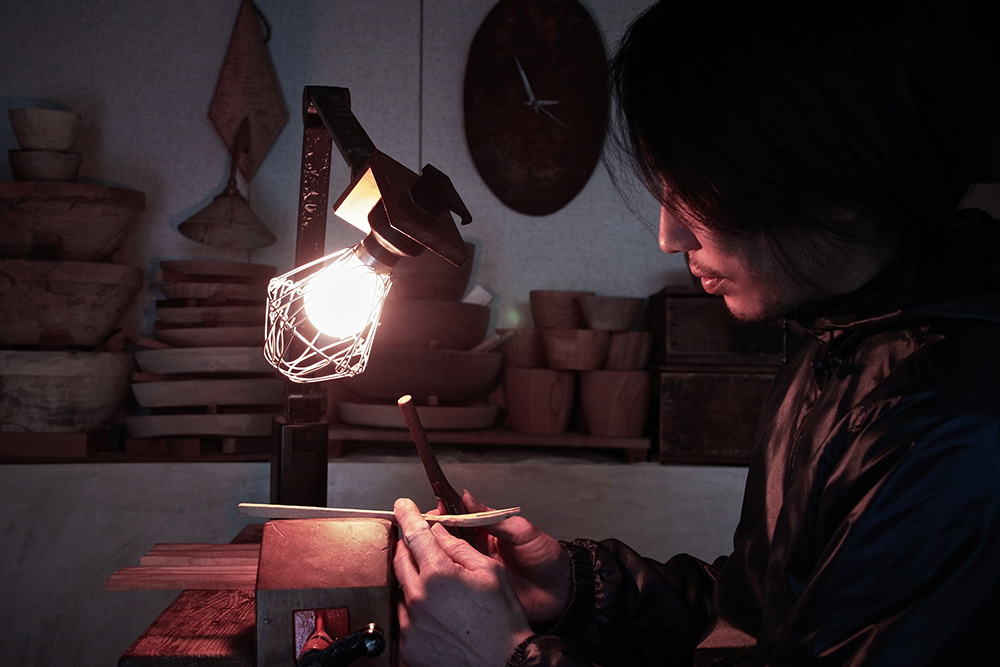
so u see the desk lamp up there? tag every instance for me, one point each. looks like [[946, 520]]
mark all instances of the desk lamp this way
[[322, 316]]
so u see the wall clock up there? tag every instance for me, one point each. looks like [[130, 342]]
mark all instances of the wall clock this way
[[536, 102]]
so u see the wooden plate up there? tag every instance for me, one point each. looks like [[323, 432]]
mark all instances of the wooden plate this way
[[209, 290], [438, 417], [212, 315], [155, 426], [237, 391], [229, 269], [203, 360], [181, 336]]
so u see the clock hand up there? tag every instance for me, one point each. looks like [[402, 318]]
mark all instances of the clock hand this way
[[537, 105], [524, 81], [540, 106]]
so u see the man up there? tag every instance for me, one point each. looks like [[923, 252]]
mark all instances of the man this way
[[809, 168]]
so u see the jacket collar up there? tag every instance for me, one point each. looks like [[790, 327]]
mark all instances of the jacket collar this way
[[964, 283]]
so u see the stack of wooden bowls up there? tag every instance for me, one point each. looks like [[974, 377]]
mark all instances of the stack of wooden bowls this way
[[424, 348], [582, 352], [62, 296], [46, 138], [204, 381]]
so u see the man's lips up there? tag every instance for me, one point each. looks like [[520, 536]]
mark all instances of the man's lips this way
[[710, 281], [711, 285]]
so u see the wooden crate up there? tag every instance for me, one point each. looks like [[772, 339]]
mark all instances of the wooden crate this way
[[697, 328], [709, 414]]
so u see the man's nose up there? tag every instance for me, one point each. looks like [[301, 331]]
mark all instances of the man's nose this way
[[674, 235]]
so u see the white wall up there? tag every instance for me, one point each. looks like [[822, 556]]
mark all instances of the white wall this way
[[142, 74]]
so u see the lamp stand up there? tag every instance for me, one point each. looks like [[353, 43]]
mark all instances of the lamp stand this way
[[300, 439]]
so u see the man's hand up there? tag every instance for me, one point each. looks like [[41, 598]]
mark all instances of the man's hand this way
[[537, 564], [458, 608]]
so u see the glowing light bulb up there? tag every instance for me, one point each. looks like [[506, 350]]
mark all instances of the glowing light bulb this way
[[321, 322], [339, 299]]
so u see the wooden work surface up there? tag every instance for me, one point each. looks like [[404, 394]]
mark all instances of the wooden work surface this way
[[205, 628]]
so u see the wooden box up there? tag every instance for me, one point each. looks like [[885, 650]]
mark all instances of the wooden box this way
[[697, 328], [709, 415]]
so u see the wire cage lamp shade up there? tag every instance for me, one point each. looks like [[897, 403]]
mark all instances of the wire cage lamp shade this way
[[322, 317]]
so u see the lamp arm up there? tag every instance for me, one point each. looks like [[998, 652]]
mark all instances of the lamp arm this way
[[332, 107]]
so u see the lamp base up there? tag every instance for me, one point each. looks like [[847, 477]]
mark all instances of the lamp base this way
[[299, 455]]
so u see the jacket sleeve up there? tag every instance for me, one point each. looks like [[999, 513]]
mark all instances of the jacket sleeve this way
[[625, 610], [905, 541]]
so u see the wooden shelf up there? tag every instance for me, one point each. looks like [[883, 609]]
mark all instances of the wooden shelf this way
[[104, 448], [634, 449]]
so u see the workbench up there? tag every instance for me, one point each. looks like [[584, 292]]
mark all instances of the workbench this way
[[202, 628]]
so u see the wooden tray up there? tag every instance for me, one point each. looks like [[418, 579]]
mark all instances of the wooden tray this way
[[203, 360], [198, 268], [231, 391], [181, 336], [211, 290], [157, 426], [482, 415], [214, 315]]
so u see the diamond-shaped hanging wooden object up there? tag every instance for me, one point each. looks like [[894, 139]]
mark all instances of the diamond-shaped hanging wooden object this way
[[248, 88]]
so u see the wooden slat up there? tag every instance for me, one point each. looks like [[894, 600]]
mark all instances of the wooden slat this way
[[201, 577], [227, 547]]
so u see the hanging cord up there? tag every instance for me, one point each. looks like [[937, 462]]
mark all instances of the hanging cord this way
[[420, 94]]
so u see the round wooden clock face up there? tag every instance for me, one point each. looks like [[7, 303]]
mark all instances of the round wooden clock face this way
[[536, 103]]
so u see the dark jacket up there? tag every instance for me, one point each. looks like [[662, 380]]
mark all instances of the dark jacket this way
[[870, 529]]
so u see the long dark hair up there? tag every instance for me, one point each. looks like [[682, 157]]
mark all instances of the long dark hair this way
[[767, 116]]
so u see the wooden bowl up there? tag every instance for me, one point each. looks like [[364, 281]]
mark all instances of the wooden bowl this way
[[44, 165], [446, 325], [429, 277], [65, 303], [70, 221], [556, 309], [450, 375], [524, 349], [611, 313], [61, 392], [432, 417], [628, 350], [575, 349], [615, 403], [539, 400], [44, 129]]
